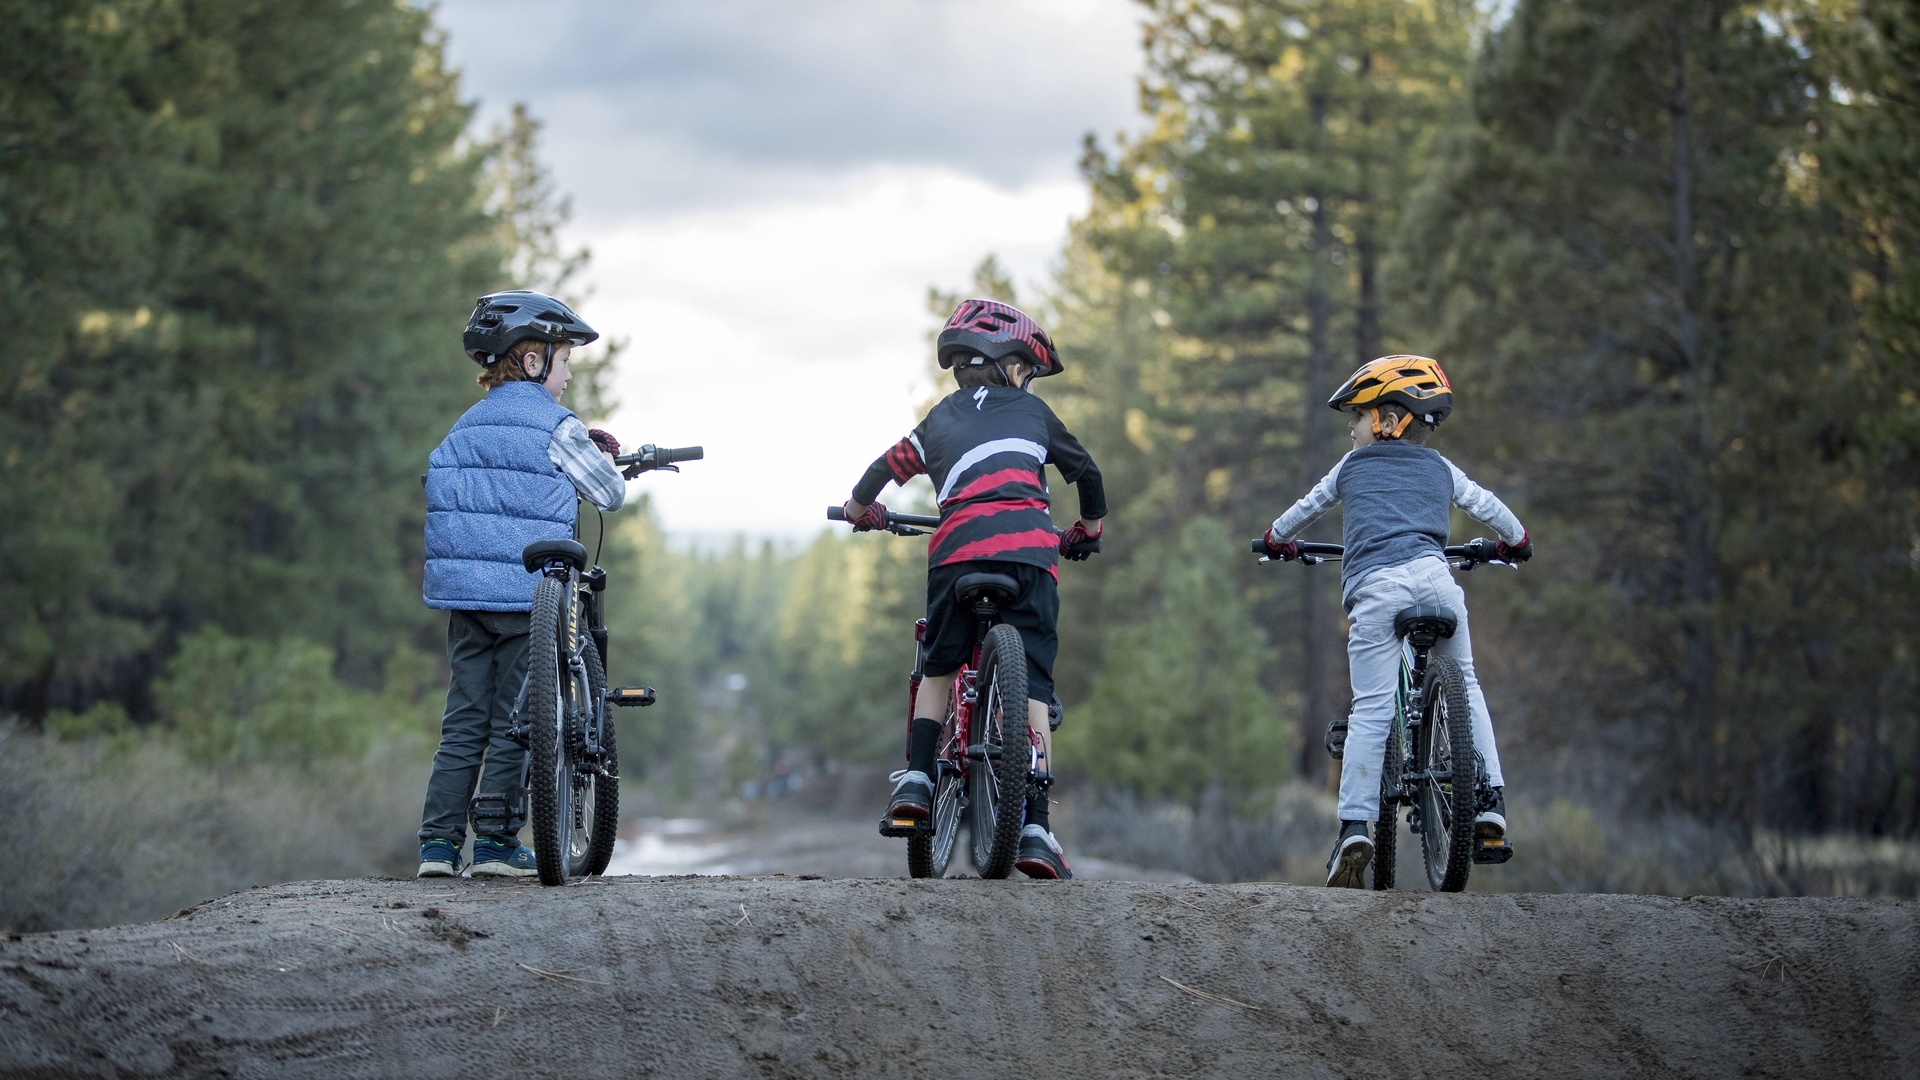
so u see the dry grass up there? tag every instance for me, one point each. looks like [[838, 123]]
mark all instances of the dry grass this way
[[127, 828]]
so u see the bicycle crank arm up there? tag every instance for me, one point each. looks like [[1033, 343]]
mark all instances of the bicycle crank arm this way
[[627, 697]]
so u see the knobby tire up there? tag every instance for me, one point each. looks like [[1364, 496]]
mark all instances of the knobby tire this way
[[930, 852], [1003, 691], [1447, 839], [1386, 830], [606, 789], [552, 764]]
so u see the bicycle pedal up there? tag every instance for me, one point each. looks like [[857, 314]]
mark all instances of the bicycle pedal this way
[[627, 697], [905, 826], [1492, 851]]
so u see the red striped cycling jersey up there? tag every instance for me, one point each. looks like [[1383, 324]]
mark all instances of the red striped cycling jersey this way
[[985, 449]]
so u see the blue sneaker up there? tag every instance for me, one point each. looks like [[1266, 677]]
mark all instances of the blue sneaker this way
[[495, 858], [439, 858]]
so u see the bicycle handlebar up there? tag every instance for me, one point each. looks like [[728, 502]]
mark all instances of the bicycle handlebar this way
[[1463, 556], [650, 457], [897, 524], [917, 524], [1330, 551]]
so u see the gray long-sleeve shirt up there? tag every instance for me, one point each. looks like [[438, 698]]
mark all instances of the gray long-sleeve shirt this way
[[574, 454], [1398, 499]]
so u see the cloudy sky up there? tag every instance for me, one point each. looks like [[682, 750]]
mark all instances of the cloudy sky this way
[[769, 188]]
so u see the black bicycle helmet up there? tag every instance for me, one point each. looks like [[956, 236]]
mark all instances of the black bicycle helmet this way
[[504, 319]]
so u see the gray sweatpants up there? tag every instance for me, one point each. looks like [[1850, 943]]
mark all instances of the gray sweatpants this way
[[487, 652], [1373, 659]]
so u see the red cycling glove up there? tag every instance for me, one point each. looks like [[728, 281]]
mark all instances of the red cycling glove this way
[[1284, 550], [604, 440], [1079, 533], [874, 518], [1514, 553]]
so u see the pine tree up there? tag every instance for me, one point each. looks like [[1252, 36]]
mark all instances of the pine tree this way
[[1630, 259], [1249, 223]]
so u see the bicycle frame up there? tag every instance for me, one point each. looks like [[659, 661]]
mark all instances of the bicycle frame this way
[[959, 750]]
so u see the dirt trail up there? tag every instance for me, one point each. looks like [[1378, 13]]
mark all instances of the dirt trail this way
[[790, 977]]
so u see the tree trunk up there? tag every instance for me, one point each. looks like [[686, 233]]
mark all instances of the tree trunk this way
[[1699, 566], [1315, 700]]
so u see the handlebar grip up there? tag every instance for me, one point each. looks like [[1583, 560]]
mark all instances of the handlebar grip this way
[[835, 513], [682, 453], [1259, 545]]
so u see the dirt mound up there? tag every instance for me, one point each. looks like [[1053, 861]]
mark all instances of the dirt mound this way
[[788, 977]]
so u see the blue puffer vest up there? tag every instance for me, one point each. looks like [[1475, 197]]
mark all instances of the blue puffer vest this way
[[491, 491]]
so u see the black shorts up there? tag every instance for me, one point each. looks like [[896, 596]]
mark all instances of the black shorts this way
[[1035, 613]]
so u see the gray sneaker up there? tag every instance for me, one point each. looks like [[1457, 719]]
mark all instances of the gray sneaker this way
[[1347, 866], [1491, 823]]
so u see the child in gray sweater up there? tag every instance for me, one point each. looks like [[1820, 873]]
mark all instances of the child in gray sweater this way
[[1398, 496]]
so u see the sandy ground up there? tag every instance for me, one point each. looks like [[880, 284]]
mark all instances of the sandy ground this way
[[796, 977]]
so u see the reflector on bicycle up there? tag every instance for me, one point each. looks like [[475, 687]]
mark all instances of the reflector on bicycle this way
[[629, 696]]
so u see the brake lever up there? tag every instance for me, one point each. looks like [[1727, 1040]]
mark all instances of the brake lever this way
[[906, 530]]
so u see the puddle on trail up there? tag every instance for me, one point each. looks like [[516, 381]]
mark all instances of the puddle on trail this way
[[799, 843]]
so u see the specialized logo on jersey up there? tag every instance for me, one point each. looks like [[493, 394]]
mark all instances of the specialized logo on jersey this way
[[979, 399]]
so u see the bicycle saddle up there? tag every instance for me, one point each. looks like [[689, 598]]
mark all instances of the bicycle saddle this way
[[541, 552], [1435, 620], [982, 584]]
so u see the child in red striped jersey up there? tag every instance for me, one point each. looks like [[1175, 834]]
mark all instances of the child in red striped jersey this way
[[985, 448]]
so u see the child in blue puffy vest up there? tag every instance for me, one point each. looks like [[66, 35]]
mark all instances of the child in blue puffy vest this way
[[508, 474]]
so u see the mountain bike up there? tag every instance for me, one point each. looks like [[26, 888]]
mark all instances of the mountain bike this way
[[572, 774], [976, 774], [1430, 738]]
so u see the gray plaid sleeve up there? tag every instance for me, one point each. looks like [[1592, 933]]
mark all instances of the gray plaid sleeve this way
[[593, 477]]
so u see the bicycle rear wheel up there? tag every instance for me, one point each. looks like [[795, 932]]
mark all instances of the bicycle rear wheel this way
[[1386, 830], [1448, 768], [1002, 709], [550, 777]]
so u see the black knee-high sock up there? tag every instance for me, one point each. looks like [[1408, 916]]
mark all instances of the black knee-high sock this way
[[1037, 810], [923, 743]]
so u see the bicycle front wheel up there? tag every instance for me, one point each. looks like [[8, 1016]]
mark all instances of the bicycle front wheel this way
[[1386, 830], [929, 853], [1448, 771], [596, 803], [550, 775]]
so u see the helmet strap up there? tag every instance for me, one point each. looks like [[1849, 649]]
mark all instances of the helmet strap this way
[[1397, 430], [546, 362]]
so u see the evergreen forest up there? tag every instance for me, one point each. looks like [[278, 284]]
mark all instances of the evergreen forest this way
[[1660, 246]]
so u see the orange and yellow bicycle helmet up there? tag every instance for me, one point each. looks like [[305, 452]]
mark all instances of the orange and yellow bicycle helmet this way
[[1414, 383]]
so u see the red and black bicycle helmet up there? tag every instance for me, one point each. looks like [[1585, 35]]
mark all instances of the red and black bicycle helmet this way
[[504, 319], [998, 332]]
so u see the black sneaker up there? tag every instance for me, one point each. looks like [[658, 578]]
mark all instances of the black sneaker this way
[[1040, 855], [1347, 865], [912, 795], [1491, 824]]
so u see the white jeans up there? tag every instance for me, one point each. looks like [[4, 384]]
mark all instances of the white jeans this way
[[1373, 659]]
